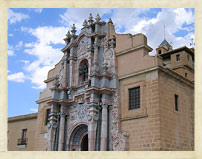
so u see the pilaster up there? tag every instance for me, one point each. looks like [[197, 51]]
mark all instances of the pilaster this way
[[92, 120]]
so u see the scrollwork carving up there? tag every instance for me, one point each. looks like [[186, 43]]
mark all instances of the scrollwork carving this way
[[119, 139]]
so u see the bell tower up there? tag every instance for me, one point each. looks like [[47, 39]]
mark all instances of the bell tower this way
[[163, 47]]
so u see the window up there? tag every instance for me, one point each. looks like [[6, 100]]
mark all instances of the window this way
[[47, 116], [23, 139], [24, 133], [177, 57], [185, 75], [159, 52], [188, 57], [134, 98], [176, 103], [83, 71]]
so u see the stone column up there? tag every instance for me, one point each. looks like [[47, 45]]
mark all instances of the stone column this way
[[92, 118], [103, 146], [62, 126], [52, 125]]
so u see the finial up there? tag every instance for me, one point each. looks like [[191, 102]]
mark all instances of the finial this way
[[68, 34], [90, 18], [73, 29], [192, 44], [85, 23], [110, 21], [97, 18]]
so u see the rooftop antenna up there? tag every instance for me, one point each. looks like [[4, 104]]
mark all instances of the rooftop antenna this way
[[164, 32]]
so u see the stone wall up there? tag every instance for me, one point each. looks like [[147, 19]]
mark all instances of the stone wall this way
[[142, 124], [41, 135], [177, 127], [15, 126]]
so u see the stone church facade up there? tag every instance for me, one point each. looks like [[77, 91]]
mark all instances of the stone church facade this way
[[108, 94]]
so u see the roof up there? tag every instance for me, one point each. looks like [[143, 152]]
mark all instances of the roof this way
[[184, 48], [164, 42], [23, 117]]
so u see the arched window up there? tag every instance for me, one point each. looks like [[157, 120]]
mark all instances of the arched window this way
[[83, 71]]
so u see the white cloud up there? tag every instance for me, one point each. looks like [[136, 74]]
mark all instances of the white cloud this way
[[77, 16], [19, 45], [17, 77], [10, 50], [47, 55], [26, 62], [34, 110], [11, 35], [128, 19], [153, 28], [14, 17], [38, 10], [124, 19]]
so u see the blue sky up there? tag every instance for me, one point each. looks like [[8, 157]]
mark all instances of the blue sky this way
[[35, 38]]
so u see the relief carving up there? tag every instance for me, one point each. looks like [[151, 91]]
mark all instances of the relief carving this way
[[73, 115], [81, 112], [82, 48], [108, 60], [119, 139]]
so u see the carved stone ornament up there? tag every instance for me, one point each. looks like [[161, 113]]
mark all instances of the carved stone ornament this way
[[49, 125], [56, 82], [82, 48], [95, 117], [73, 116], [119, 139], [81, 112], [89, 117], [112, 42], [108, 60], [54, 125], [62, 114]]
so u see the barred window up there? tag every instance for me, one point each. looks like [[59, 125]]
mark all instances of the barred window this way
[[134, 98]]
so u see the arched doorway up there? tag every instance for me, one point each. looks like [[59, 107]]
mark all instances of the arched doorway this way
[[84, 143], [79, 139]]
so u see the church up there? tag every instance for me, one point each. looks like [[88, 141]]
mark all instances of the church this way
[[108, 94]]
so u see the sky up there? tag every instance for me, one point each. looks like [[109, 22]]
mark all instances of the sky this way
[[35, 38]]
